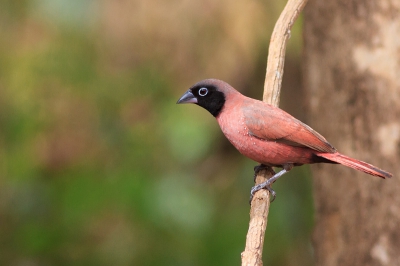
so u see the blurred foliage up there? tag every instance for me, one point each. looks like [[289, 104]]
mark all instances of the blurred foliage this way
[[98, 166]]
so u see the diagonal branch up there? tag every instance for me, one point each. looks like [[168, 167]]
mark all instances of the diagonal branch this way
[[252, 255], [277, 48]]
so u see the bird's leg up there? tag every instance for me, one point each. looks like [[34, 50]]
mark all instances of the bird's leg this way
[[267, 184]]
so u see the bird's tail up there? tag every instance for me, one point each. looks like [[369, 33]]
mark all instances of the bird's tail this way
[[355, 164]]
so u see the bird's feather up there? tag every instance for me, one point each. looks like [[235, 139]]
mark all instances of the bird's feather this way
[[272, 124]]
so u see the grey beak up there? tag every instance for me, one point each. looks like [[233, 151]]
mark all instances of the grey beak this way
[[188, 97]]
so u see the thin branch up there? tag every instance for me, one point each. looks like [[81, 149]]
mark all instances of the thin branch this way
[[252, 255], [277, 48]]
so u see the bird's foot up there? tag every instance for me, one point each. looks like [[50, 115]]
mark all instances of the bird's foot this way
[[267, 185]]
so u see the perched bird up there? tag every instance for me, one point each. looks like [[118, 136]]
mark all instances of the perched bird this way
[[267, 134]]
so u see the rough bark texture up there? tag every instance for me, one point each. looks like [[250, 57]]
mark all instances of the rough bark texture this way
[[352, 79]]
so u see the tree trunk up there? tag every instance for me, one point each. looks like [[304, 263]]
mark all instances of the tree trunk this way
[[352, 84]]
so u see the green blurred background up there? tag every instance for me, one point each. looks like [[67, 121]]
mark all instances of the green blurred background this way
[[99, 166]]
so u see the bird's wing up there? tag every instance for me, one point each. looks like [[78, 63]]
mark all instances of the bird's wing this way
[[273, 124]]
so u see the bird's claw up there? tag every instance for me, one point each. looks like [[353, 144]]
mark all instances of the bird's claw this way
[[266, 185]]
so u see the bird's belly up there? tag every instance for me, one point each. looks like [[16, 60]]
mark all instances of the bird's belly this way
[[263, 151]]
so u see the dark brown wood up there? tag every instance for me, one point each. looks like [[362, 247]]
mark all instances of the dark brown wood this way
[[352, 83]]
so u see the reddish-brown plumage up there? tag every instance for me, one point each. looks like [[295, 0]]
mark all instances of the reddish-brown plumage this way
[[267, 134]]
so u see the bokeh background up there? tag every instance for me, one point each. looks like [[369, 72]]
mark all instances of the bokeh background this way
[[99, 166]]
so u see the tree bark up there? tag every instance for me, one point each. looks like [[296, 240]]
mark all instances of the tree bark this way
[[352, 84]]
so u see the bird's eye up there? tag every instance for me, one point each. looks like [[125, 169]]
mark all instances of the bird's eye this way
[[203, 91]]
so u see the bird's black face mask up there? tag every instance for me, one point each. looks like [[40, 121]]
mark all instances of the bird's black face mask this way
[[206, 96]]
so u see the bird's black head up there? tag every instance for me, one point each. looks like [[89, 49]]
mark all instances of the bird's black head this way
[[206, 95]]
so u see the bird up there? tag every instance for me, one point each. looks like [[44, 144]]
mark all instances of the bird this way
[[267, 134]]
